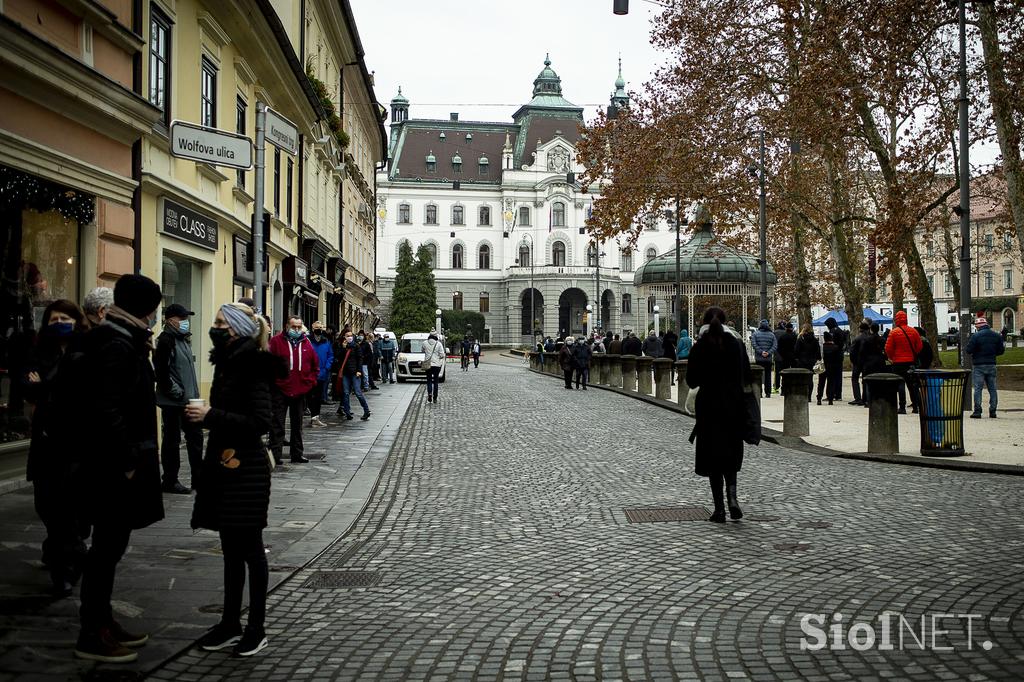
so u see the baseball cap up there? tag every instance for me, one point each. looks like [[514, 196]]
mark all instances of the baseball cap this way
[[177, 310]]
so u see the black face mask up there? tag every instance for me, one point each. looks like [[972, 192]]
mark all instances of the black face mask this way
[[220, 337]]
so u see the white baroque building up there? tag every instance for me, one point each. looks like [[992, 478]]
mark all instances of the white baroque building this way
[[500, 207]]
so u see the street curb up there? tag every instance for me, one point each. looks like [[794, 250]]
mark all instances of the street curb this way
[[799, 444]]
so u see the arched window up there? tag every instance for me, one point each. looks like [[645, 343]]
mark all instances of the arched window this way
[[457, 300], [558, 253], [485, 302], [484, 217], [484, 261], [458, 215], [457, 257], [524, 255], [432, 254], [592, 256], [403, 214], [652, 253], [558, 214], [627, 260], [398, 251]]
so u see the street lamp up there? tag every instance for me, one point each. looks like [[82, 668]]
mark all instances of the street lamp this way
[[437, 320], [620, 7], [965, 207], [587, 325], [657, 328]]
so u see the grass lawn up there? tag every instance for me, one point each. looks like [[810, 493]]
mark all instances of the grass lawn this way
[[1012, 356]]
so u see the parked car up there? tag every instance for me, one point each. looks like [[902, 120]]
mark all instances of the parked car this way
[[410, 358]]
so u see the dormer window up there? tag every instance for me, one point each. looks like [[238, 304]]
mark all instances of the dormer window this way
[[484, 164], [442, 135], [457, 163], [469, 137], [431, 162]]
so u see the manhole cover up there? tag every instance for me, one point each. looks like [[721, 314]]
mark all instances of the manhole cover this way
[[211, 608], [664, 514], [814, 524], [793, 547], [328, 580], [763, 518]]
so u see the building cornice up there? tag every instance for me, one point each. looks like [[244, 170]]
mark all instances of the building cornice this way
[[106, 24]]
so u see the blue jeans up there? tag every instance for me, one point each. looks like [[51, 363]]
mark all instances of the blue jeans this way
[[985, 376], [366, 378], [349, 384]]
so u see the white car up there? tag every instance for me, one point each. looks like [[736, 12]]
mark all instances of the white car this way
[[410, 358]]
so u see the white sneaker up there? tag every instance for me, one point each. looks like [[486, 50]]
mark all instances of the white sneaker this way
[[316, 421]]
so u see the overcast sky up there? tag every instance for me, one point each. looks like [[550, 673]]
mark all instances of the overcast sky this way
[[479, 57]]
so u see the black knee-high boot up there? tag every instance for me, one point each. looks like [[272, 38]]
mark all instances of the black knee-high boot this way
[[730, 492], [716, 494]]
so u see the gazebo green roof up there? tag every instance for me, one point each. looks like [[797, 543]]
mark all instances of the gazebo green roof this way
[[704, 258]]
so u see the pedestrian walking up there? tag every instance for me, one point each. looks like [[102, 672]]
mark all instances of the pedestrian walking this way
[[857, 361], [983, 347], [806, 352], [375, 367], [582, 353], [325, 358], [832, 377], [119, 482], [567, 360], [764, 344], [388, 348], [840, 338], [902, 348], [350, 376], [233, 494], [289, 394], [434, 357], [718, 366], [176, 384], [464, 347], [785, 354], [48, 466], [475, 350]]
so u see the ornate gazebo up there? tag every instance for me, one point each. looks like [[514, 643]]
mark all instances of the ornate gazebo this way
[[708, 268]]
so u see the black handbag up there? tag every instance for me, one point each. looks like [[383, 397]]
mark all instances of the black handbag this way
[[752, 416]]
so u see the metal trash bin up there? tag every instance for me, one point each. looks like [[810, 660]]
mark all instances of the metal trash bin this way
[[941, 397]]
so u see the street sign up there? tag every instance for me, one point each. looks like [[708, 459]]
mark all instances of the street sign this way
[[209, 145], [282, 133]]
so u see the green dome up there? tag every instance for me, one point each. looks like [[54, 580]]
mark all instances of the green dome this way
[[547, 81], [400, 98], [703, 259]]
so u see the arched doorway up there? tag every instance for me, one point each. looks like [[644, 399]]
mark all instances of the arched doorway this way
[[572, 304], [607, 305], [1009, 323], [526, 326]]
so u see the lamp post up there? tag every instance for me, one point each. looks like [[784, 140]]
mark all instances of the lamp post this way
[[657, 327], [964, 211], [587, 324], [679, 283], [437, 320], [533, 314]]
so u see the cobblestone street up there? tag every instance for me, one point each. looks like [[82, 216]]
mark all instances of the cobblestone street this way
[[496, 546]]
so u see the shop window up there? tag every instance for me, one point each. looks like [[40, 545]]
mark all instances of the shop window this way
[[180, 282]]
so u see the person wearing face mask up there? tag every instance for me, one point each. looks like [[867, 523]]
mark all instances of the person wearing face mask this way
[[350, 376], [47, 467], [289, 397], [366, 360], [325, 356], [176, 384], [233, 494], [117, 479]]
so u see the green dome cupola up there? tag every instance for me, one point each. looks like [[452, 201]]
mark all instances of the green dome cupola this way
[[547, 81]]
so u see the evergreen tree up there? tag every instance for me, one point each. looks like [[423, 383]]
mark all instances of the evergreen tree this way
[[414, 298]]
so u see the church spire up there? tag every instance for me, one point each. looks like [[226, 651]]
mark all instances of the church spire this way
[[619, 99]]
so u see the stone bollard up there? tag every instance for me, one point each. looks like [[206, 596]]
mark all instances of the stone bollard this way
[[757, 379], [643, 375], [535, 362], [613, 370], [796, 387], [551, 362], [1013, 340], [681, 385], [597, 369], [627, 363], [663, 378], [883, 424]]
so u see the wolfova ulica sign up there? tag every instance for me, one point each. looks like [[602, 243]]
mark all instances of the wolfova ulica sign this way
[[184, 223]]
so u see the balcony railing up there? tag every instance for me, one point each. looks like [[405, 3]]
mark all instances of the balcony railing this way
[[566, 270]]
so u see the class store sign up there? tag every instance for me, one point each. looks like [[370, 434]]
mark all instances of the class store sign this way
[[191, 226]]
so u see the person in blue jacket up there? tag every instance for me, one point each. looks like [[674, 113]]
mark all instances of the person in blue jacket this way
[[325, 354], [764, 345], [984, 346], [684, 345]]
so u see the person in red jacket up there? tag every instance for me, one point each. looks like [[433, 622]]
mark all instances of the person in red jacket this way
[[290, 391], [902, 348]]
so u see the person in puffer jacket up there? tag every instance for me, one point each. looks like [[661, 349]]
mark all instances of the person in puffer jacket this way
[[764, 343], [902, 348], [984, 346], [289, 392]]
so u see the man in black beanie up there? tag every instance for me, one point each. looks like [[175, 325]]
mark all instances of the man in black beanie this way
[[120, 475]]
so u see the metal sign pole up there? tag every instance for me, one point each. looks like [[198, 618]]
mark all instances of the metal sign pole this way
[[257, 212]]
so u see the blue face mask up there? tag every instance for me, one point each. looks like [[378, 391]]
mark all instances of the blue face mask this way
[[183, 326], [294, 334], [62, 328]]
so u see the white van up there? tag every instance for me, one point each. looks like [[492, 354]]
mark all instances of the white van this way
[[410, 358], [385, 334]]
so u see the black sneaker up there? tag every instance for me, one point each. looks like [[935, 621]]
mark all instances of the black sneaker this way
[[176, 488], [220, 636], [365, 416], [101, 646], [252, 642]]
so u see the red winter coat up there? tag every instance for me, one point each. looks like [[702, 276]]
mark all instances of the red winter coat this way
[[303, 364], [904, 343]]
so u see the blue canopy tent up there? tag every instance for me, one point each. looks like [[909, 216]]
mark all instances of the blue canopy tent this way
[[842, 320]]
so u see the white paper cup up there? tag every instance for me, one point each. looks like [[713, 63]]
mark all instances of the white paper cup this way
[[197, 402]]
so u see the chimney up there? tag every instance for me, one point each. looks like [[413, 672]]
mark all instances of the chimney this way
[[454, 116]]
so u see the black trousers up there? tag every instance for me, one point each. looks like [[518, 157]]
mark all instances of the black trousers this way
[[779, 366], [767, 366], [293, 408], [581, 374], [903, 369], [857, 395], [64, 550], [829, 382], [243, 548], [433, 379], [316, 398], [175, 424], [109, 542], [568, 377]]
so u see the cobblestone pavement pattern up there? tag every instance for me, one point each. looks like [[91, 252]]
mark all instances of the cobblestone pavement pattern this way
[[501, 549]]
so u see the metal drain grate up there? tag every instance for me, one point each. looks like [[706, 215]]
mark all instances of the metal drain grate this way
[[666, 514], [329, 580]]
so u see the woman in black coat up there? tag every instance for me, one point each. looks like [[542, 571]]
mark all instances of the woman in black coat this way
[[719, 366], [234, 490], [806, 353], [829, 380]]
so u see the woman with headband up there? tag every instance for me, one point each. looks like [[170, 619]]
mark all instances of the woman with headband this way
[[234, 489]]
